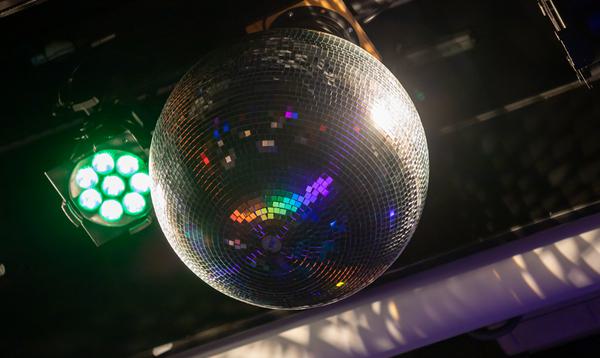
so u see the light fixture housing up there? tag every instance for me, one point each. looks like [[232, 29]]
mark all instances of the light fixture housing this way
[[106, 191]]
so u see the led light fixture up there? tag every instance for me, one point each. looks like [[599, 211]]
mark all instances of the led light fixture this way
[[107, 196], [107, 192]]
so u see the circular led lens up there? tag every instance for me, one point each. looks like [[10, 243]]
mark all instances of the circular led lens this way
[[134, 203], [103, 163], [127, 165], [90, 199], [113, 185], [111, 210], [140, 182], [86, 178]]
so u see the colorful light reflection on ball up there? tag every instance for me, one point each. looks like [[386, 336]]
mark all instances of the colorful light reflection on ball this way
[[289, 170]]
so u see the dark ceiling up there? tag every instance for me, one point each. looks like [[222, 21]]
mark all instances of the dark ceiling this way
[[62, 296]]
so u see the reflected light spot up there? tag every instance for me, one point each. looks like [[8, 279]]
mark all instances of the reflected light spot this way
[[393, 309], [382, 118], [299, 335], [497, 275], [394, 332], [431, 312], [420, 332], [515, 296], [342, 337], [578, 278], [376, 307], [518, 259], [568, 248], [360, 318], [530, 281], [156, 351], [382, 343], [590, 236], [591, 255], [552, 264]]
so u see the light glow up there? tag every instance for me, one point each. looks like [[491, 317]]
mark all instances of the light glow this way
[[383, 118], [134, 203], [140, 182], [111, 210], [113, 185], [86, 178], [103, 163], [90, 199], [127, 165]]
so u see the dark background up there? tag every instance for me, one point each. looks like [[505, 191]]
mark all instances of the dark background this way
[[490, 182]]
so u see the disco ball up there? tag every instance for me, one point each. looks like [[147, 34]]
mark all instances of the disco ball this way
[[289, 170]]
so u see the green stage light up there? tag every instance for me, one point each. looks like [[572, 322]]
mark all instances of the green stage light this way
[[124, 180], [128, 164], [134, 203], [113, 185], [103, 163], [86, 178], [90, 199], [111, 210], [140, 182], [106, 190]]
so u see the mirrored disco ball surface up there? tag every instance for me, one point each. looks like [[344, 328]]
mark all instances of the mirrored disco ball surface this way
[[289, 170]]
